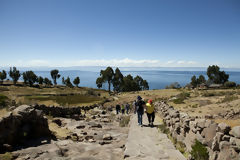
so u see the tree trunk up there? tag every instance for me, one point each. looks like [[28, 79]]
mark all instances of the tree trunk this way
[[109, 87]]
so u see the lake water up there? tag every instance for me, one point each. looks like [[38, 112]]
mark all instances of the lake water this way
[[156, 79]]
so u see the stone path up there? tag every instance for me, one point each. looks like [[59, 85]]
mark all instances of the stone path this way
[[146, 143]]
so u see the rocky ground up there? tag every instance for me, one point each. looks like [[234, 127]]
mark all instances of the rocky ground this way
[[95, 137]]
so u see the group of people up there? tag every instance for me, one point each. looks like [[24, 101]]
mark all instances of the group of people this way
[[122, 108], [139, 106]]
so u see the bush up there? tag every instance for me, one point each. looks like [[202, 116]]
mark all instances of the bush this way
[[199, 151], [230, 84], [3, 100]]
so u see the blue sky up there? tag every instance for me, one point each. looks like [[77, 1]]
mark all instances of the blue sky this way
[[154, 33]]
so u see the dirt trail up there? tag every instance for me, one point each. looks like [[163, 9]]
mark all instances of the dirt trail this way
[[146, 143]]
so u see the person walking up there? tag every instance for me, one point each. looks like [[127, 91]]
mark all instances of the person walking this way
[[139, 109], [118, 108], [127, 108], [123, 109], [150, 112]]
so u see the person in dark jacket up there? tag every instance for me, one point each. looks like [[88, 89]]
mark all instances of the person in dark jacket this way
[[118, 108], [127, 108], [139, 109]]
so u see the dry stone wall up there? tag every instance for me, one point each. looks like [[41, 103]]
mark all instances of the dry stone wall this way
[[66, 112], [222, 141]]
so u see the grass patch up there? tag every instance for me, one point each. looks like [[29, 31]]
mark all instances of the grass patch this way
[[229, 98], [67, 99], [179, 145], [199, 151], [163, 128], [2, 89], [181, 97], [6, 156], [194, 106], [208, 94], [218, 93], [124, 121]]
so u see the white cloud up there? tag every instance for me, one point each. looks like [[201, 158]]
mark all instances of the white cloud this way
[[181, 62], [126, 62], [37, 63]]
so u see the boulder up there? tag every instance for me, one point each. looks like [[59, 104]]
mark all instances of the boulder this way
[[200, 123], [216, 141], [223, 145], [223, 128], [209, 133], [21, 124], [235, 131], [228, 154], [94, 125], [226, 138], [234, 141], [107, 137]]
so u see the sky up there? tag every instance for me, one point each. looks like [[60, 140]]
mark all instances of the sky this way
[[122, 33]]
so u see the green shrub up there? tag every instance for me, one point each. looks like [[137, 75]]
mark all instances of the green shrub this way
[[230, 84], [199, 151], [3, 100]]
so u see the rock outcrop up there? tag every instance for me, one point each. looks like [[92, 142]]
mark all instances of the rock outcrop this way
[[22, 124], [222, 141]]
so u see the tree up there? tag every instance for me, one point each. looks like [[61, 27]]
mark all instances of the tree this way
[[76, 81], [40, 80], [139, 81], [117, 80], [201, 79], [129, 84], [68, 82], [47, 82], [3, 75], [14, 74], [217, 76], [55, 75], [107, 75], [99, 82], [145, 85], [63, 81], [194, 82], [29, 77]]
